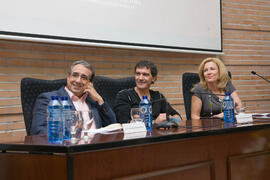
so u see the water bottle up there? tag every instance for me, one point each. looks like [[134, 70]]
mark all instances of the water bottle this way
[[66, 114], [146, 112], [228, 108], [55, 121]]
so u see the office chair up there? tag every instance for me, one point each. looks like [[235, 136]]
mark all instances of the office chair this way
[[188, 82], [108, 87], [31, 88]]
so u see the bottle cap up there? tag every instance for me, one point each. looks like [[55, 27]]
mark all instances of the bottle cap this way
[[144, 97], [227, 93], [54, 97], [64, 98]]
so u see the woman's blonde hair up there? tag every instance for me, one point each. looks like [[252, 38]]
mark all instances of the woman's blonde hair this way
[[223, 73]]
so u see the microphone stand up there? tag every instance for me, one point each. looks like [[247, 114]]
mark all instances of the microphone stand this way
[[166, 110], [168, 123], [167, 113], [166, 106]]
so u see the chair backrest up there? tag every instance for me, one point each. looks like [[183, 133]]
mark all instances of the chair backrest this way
[[108, 87], [31, 88], [188, 81]]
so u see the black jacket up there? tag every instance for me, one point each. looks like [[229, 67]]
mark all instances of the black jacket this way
[[128, 98]]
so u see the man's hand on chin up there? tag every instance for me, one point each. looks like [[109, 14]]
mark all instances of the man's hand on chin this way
[[90, 90]]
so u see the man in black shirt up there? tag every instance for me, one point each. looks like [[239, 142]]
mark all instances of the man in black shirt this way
[[145, 76]]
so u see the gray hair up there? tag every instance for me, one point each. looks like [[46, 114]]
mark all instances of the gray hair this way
[[85, 64]]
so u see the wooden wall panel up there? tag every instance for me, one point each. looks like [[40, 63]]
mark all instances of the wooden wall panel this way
[[249, 166], [16, 166]]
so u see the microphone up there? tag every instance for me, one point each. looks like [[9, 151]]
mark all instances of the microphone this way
[[158, 100], [254, 73]]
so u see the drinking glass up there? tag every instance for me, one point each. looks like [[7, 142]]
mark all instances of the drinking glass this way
[[241, 110], [73, 124], [87, 118], [135, 115]]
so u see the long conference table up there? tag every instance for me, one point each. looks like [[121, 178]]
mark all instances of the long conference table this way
[[202, 149]]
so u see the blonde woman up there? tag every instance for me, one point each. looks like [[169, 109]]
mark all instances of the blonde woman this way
[[209, 92]]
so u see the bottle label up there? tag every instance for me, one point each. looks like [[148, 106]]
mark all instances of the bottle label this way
[[143, 109], [55, 122], [146, 114], [228, 110]]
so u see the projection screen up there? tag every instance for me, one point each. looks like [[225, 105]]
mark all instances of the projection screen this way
[[171, 25]]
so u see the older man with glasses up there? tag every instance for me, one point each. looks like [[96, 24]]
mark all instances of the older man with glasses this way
[[81, 95]]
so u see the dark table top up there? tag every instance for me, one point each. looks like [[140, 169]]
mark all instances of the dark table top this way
[[188, 129]]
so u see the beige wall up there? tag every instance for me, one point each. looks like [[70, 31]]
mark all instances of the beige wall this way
[[246, 44]]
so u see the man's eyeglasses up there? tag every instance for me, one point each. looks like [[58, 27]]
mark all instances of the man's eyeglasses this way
[[82, 76]]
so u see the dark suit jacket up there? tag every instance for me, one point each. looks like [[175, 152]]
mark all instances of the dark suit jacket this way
[[103, 114]]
